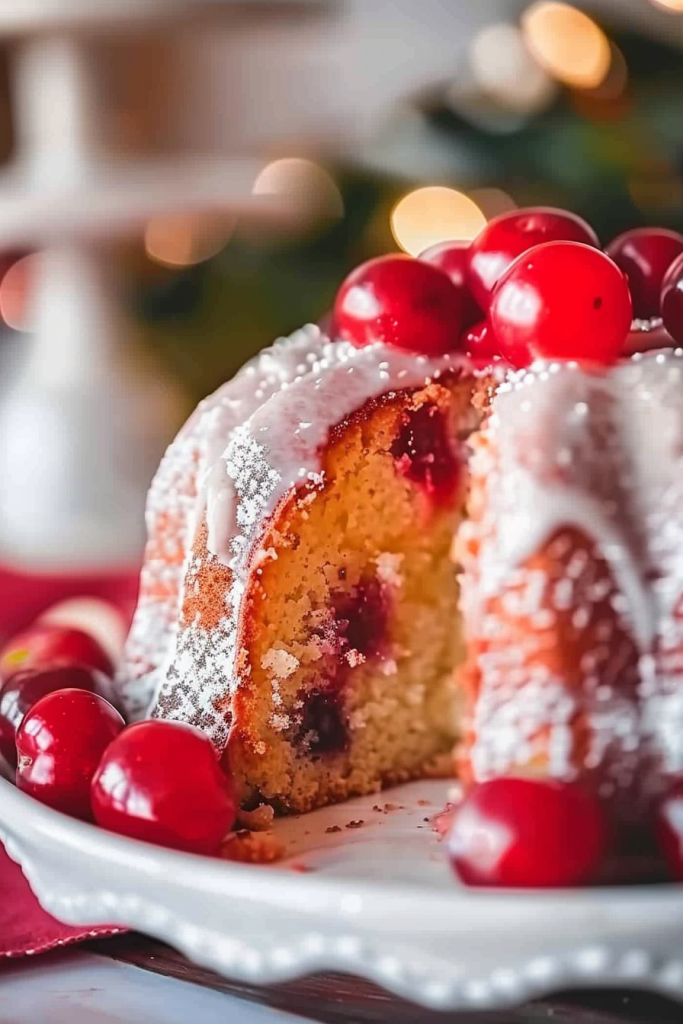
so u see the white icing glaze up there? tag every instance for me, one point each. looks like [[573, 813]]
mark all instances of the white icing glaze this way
[[602, 452], [247, 446]]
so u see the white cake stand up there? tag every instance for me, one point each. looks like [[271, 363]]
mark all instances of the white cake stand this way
[[79, 433]]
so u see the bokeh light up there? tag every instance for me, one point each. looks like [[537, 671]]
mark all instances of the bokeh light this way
[[504, 68], [434, 214], [14, 293], [567, 43], [182, 240], [311, 192]]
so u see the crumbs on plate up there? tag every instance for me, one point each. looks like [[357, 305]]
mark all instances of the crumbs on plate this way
[[252, 847]]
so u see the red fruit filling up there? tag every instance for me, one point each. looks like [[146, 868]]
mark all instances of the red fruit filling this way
[[424, 454], [323, 728], [361, 618], [356, 632]]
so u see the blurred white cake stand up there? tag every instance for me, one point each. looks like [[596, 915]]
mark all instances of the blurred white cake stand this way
[[79, 432]]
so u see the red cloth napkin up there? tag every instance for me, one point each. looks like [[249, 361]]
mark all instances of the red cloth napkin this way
[[25, 928], [23, 595]]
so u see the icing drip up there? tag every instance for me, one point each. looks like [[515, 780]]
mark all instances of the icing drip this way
[[247, 446], [601, 453]]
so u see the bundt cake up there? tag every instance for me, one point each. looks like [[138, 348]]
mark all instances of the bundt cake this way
[[572, 578], [297, 600]]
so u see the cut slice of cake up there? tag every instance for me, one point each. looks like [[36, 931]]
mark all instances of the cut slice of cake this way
[[298, 601]]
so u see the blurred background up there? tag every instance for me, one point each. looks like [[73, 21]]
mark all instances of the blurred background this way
[[185, 181]]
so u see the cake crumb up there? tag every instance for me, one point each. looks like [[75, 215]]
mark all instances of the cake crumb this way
[[247, 847], [356, 823], [258, 820], [333, 828]]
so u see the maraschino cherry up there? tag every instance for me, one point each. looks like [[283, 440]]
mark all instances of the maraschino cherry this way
[[452, 258], [509, 235], [402, 301], [669, 830], [45, 645], [527, 833], [671, 300], [161, 782], [24, 689], [59, 746], [645, 255], [561, 300]]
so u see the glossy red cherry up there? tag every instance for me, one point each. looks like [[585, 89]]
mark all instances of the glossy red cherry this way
[[671, 300], [669, 830], [645, 255], [401, 301], [506, 237], [45, 645], [59, 746], [24, 689], [452, 258], [479, 343], [162, 782], [561, 300], [527, 833]]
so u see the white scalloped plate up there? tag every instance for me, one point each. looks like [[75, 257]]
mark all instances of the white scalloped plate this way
[[376, 900]]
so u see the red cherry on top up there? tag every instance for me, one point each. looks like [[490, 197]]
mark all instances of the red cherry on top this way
[[509, 235], [59, 746], [479, 343], [45, 646], [24, 689], [401, 301], [161, 782], [645, 255], [671, 300], [527, 833], [452, 258], [561, 300]]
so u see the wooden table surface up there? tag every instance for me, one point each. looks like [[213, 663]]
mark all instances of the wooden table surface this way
[[341, 999]]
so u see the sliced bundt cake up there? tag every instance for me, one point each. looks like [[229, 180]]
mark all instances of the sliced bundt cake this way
[[298, 602]]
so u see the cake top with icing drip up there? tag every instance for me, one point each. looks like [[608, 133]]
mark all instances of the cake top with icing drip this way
[[603, 452]]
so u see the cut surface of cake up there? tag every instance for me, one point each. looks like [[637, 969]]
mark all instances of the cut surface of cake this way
[[298, 602], [572, 579]]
